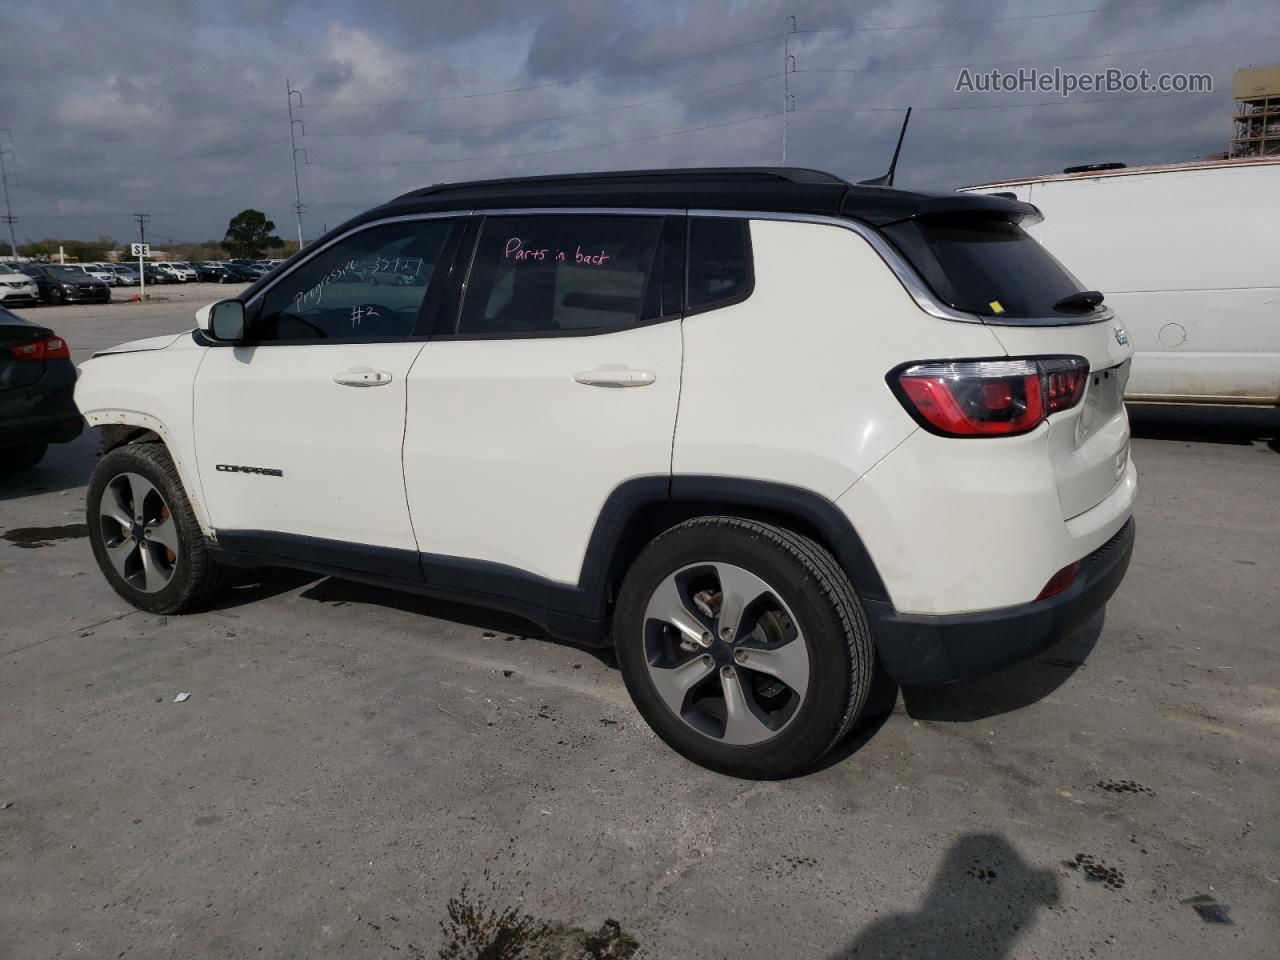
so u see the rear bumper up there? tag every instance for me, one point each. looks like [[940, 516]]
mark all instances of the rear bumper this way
[[58, 429], [923, 649], [44, 412]]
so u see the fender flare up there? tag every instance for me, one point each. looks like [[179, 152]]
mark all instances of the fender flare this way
[[186, 472]]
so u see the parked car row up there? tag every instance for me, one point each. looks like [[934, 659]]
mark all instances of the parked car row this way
[[23, 284]]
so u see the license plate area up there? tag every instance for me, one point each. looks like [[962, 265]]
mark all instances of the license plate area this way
[[1103, 399]]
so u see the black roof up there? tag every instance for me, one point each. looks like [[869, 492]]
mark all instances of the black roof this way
[[772, 189]]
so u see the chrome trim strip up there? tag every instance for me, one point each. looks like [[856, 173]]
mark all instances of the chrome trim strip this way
[[905, 273]]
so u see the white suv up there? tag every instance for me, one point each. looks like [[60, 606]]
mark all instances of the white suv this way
[[769, 434], [178, 272]]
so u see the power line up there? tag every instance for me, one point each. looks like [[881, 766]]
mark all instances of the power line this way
[[983, 20], [548, 84], [547, 119], [142, 219], [1012, 63], [542, 153], [1060, 102], [157, 134]]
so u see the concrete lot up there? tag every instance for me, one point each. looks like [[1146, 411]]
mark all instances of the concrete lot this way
[[350, 761]]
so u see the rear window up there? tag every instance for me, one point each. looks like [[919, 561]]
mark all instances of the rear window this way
[[564, 274], [989, 267], [720, 269]]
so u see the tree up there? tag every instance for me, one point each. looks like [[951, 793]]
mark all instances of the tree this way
[[75, 250], [249, 235]]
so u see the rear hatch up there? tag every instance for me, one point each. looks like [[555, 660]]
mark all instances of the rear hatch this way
[[989, 266]]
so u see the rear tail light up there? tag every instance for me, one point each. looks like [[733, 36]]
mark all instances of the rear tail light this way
[[51, 348], [989, 398]]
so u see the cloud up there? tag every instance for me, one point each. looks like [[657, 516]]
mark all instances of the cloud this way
[[181, 112]]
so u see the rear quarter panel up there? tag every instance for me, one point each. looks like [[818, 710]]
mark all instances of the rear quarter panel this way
[[789, 385]]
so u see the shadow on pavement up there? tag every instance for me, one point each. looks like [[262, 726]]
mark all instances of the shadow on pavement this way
[[506, 625], [65, 467], [249, 585], [1012, 689], [1205, 424], [982, 897]]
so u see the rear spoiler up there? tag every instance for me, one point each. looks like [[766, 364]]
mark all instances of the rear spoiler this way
[[980, 205]]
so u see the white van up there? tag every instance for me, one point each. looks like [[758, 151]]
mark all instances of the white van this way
[[1189, 255]]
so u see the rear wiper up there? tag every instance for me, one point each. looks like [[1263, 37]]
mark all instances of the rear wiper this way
[[1084, 300]]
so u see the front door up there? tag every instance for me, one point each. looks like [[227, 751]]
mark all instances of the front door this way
[[299, 430]]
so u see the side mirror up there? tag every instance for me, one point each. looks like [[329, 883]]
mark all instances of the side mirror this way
[[223, 320]]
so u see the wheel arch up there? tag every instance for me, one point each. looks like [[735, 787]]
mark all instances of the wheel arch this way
[[118, 428], [638, 510]]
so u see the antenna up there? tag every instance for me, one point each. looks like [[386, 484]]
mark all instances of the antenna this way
[[887, 179], [293, 142]]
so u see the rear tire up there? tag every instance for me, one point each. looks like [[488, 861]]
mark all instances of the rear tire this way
[[24, 457], [160, 562], [793, 675]]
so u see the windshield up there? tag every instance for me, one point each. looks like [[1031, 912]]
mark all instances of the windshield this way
[[66, 273], [986, 266]]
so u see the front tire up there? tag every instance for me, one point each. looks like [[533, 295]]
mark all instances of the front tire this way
[[145, 535], [743, 646]]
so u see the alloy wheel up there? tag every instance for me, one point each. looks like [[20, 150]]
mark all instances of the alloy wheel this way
[[725, 653], [138, 532]]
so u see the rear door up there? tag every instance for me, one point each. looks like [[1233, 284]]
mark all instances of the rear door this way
[[554, 380], [299, 430]]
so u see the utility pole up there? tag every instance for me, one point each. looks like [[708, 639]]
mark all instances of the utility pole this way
[[788, 68], [9, 218], [293, 142], [142, 219]]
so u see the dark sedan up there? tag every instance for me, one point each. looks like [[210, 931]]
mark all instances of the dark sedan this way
[[239, 274], [37, 379], [215, 271], [58, 284]]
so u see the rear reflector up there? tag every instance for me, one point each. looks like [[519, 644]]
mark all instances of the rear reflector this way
[[989, 398], [1059, 581], [51, 348]]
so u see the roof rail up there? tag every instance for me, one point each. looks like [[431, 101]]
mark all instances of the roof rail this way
[[680, 174]]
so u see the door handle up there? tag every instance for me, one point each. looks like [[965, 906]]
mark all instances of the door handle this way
[[615, 377], [362, 377]]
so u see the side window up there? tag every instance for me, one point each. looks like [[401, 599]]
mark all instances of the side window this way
[[368, 286], [720, 269], [564, 273]]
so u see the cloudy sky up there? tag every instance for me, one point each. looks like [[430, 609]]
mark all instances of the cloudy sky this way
[[177, 109]]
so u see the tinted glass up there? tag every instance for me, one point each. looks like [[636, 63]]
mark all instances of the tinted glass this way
[[719, 261], [369, 286], [985, 266], [563, 273]]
